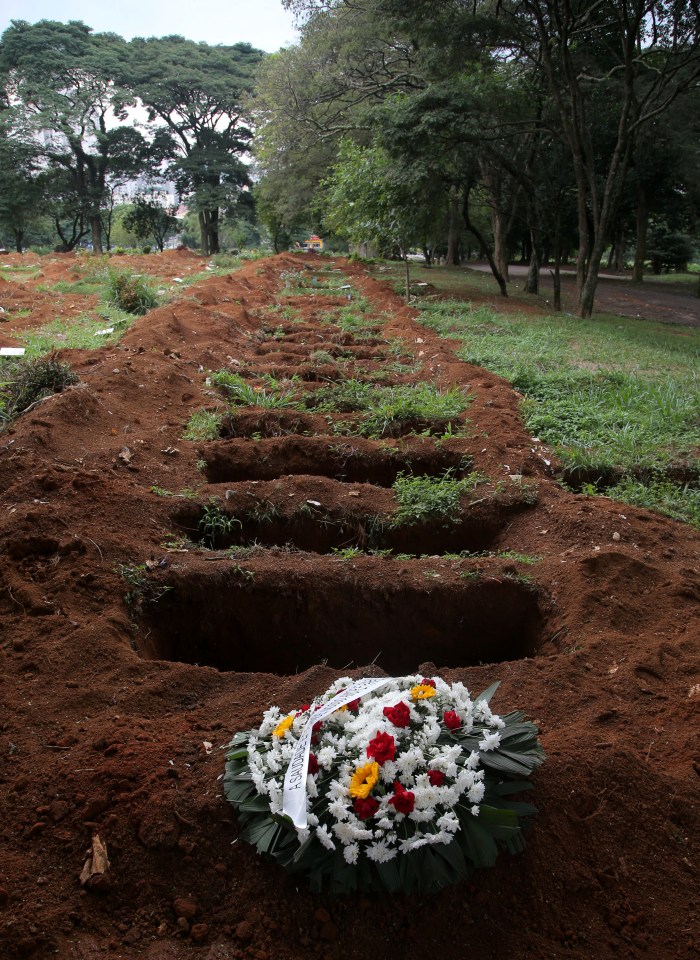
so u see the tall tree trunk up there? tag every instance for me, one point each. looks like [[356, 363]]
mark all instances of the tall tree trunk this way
[[96, 228], [640, 252], [556, 275], [407, 275], [214, 231], [19, 238], [453, 230], [533, 275], [587, 296], [203, 233], [485, 250], [500, 249], [619, 262]]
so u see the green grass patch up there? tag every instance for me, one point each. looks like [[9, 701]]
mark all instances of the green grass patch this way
[[130, 293], [618, 398], [80, 333], [426, 499], [391, 410], [203, 425], [240, 393], [24, 381]]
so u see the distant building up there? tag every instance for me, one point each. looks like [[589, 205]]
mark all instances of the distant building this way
[[313, 243]]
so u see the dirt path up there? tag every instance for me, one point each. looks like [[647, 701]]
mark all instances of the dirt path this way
[[112, 713], [650, 300]]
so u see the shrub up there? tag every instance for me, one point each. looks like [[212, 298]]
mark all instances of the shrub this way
[[130, 293], [30, 381]]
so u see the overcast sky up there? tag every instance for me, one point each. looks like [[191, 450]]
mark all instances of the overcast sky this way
[[263, 23]]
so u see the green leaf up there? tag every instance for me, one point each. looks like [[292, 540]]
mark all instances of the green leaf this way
[[488, 692]]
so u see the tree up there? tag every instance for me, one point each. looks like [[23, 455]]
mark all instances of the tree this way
[[198, 95], [60, 83], [149, 219], [21, 188], [368, 199], [630, 57], [311, 96]]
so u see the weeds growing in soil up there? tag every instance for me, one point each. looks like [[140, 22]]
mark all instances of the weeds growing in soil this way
[[26, 381], [389, 411], [140, 588], [215, 525], [130, 293], [243, 394], [422, 499], [618, 398], [203, 425]]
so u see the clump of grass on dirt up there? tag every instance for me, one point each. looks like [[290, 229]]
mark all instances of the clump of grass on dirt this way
[[619, 398], [389, 410], [26, 381], [80, 333], [240, 393], [130, 293], [424, 499], [215, 526], [203, 425]]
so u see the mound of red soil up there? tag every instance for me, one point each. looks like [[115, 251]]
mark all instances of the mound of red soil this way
[[132, 650]]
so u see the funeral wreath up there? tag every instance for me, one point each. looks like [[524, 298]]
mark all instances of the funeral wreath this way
[[397, 784]]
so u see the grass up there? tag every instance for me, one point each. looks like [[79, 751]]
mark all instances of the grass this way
[[30, 380], [130, 293], [425, 499], [79, 333], [240, 393], [215, 526], [618, 398], [203, 425], [390, 410]]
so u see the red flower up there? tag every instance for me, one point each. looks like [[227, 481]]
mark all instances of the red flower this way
[[317, 726], [399, 715], [428, 683], [302, 709], [354, 704], [313, 764], [382, 748], [451, 720], [403, 800], [364, 809], [436, 777]]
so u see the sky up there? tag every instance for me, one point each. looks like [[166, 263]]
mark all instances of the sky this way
[[263, 23]]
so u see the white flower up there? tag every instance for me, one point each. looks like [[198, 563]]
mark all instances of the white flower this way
[[326, 756], [345, 832], [380, 852], [325, 837], [259, 781], [351, 853], [303, 834], [422, 816], [336, 791], [339, 809], [475, 811], [476, 794], [311, 787], [472, 760], [491, 740], [449, 822]]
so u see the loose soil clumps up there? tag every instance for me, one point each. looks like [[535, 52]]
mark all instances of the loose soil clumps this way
[[158, 593]]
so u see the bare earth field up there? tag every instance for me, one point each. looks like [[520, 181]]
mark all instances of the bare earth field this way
[[112, 713]]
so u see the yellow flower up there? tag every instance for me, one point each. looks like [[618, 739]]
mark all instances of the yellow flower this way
[[363, 779], [283, 726], [423, 692]]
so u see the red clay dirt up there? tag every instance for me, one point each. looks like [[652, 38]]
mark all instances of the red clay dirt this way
[[112, 714]]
